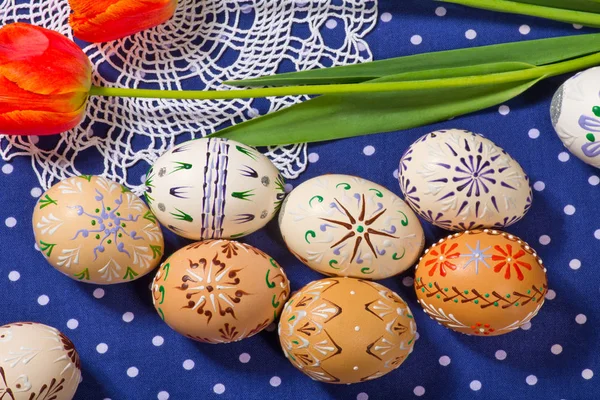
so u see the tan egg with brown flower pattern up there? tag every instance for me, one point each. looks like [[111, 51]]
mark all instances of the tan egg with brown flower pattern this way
[[37, 362], [483, 283], [219, 291]]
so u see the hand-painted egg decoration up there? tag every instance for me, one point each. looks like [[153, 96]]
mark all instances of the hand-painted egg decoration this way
[[483, 283], [346, 330], [94, 230], [219, 291], [459, 180], [214, 188], [37, 362], [346, 226], [575, 113]]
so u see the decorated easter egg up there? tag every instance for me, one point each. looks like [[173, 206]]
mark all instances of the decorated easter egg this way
[[219, 291], [94, 230], [346, 330], [214, 188], [346, 226], [459, 180], [483, 283], [37, 362], [575, 113]]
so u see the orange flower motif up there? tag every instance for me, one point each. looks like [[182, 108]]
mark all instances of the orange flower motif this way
[[105, 20], [507, 259], [45, 80], [441, 259]]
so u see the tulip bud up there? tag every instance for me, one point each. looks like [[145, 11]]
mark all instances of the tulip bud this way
[[45, 80], [105, 20]]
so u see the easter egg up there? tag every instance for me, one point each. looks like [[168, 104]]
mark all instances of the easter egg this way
[[219, 291], [575, 113], [214, 188], [459, 180], [346, 226], [37, 362], [483, 283], [346, 330], [96, 231]]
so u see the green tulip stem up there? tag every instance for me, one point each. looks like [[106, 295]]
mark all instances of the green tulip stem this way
[[545, 71]]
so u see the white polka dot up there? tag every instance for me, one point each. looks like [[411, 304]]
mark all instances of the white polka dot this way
[[253, 113], [246, 8], [272, 327], [361, 46], [395, 174], [386, 17], [408, 281], [534, 133], [72, 323], [313, 158], [470, 34], [419, 391], [524, 29], [564, 156], [275, 381], [36, 192], [569, 209], [331, 24], [417, 336], [475, 385], [556, 349], [587, 374], [219, 388], [189, 365], [244, 358], [288, 187], [102, 348], [550, 295], [7, 168], [132, 372], [34, 139], [581, 319], [10, 222], [597, 234], [539, 186], [128, 316], [14, 276], [99, 293], [500, 355], [526, 326], [369, 150], [158, 341], [416, 40], [143, 178], [504, 109], [43, 300], [444, 361], [440, 11], [362, 396], [545, 240], [594, 180], [163, 395], [575, 264], [36, 247], [577, 26], [531, 380]]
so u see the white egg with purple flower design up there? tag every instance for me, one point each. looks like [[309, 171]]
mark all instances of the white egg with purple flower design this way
[[575, 113], [459, 180]]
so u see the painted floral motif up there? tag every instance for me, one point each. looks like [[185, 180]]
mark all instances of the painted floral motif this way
[[446, 252], [507, 257], [591, 124], [482, 329]]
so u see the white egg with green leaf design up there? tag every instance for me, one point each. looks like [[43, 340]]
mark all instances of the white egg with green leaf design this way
[[212, 188]]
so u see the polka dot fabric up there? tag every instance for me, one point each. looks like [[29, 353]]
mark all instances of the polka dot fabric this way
[[128, 353]]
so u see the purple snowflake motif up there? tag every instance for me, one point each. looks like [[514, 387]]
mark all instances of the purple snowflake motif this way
[[410, 193], [436, 219], [110, 225], [478, 174]]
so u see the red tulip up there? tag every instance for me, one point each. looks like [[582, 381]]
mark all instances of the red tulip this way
[[105, 20], [45, 80]]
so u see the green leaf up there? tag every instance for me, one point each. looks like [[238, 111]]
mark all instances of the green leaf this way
[[85, 274], [130, 274], [554, 10], [533, 52]]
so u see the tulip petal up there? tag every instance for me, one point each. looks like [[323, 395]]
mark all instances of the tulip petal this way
[[19, 42], [26, 122], [105, 20]]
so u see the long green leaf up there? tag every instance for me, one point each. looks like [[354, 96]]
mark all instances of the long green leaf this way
[[535, 52], [591, 19], [578, 5]]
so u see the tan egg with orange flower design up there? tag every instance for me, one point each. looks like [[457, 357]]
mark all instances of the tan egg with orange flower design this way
[[219, 291], [483, 283]]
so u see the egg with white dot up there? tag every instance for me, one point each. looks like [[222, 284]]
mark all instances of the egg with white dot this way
[[37, 360], [575, 114], [316, 334]]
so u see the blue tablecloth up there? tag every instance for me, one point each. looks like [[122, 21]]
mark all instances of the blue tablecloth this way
[[117, 331]]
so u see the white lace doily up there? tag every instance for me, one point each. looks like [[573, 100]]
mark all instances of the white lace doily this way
[[205, 43]]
